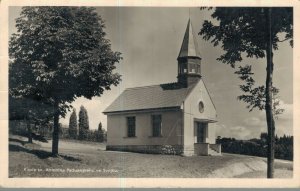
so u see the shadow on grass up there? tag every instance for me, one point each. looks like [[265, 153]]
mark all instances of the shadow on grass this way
[[40, 153], [17, 140]]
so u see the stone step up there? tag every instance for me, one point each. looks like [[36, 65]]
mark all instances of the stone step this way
[[213, 152]]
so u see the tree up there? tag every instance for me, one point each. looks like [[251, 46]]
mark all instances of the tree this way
[[100, 133], [29, 110], [62, 54], [100, 127], [73, 125], [32, 112], [255, 32], [264, 137], [83, 123]]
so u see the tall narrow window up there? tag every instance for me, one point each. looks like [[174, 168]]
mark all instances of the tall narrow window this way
[[156, 125], [130, 126]]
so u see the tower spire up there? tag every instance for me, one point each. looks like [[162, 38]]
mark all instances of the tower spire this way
[[189, 58], [189, 45]]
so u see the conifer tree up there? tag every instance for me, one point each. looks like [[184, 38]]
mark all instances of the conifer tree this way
[[73, 125], [100, 127], [83, 123]]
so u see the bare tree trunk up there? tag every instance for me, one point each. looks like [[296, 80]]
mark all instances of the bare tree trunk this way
[[269, 96], [29, 131], [55, 135]]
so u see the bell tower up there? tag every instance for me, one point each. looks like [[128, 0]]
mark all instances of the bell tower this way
[[189, 59]]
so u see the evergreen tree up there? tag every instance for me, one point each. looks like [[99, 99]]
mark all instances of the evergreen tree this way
[[100, 133], [100, 127], [83, 123], [73, 125], [276, 139], [264, 137]]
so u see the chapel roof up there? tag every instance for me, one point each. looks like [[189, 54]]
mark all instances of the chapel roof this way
[[150, 97]]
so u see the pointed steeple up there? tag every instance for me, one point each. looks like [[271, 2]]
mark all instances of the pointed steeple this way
[[189, 59], [189, 47]]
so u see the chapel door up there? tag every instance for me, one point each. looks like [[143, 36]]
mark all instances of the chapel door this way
[[201, 127]]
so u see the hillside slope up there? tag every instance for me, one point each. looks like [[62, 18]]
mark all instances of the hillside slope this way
[[91, 160]]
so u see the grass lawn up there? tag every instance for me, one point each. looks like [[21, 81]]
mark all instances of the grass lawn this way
[[91, 160]]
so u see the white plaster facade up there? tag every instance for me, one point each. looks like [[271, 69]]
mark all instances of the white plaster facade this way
[[178, 129]]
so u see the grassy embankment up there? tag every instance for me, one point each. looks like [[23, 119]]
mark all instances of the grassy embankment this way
[[91, 160]]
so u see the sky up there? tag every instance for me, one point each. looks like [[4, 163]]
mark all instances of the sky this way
[[150, 39]]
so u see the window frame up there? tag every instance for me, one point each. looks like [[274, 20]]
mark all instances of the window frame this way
[[153, 123], [131, 128], [201, 106]]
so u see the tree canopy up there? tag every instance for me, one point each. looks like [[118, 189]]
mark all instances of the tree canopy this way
[[61, 53], [244, 30], [255, 32]]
